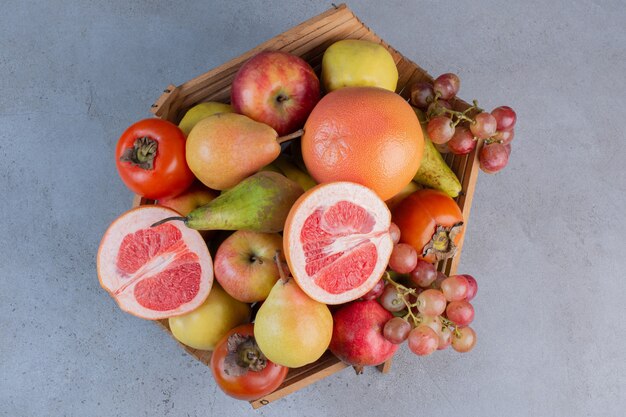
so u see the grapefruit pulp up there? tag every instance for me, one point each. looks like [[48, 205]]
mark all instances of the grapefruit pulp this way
[[154, 272], [337, 241]]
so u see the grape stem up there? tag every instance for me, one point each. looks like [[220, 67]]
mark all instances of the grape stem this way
[[459, 117], [450, 324], [456, 116], [404, 292]]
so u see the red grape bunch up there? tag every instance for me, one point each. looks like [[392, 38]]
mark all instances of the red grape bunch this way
[[459, 131], [432, 311]]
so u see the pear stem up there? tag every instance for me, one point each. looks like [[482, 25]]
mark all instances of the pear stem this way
[[167, 220], [290, 136], [281, 272]]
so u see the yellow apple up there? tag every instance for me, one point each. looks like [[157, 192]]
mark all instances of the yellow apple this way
[[358, 63], [201, 111], [203, 327]]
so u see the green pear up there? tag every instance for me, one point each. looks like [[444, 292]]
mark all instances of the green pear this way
[[294, 173], [259, 203]]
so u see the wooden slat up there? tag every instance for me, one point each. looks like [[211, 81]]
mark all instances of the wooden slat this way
[[468, 185], [385, 367], [163, 104], [304, 379]]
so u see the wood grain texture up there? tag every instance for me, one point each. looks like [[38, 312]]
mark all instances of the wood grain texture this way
[[309, 40]]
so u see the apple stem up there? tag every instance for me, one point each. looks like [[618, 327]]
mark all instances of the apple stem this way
[[290, 136]]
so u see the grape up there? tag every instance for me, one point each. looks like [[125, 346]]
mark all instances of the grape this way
[[423, 340], [447, 85], [424, 274], [437, 282], [443, 332], [396, 330], [505, 118], [455, 288], [484, 125], [508, 149], [403, 258], [422, 94], [391, 300], [463, 340], [431, 302], [445, 338], [460, 312], [375, 292], [440, 129], [493, 157], [506, 136], [434, 322], [472, 287], [436, 108], [462, 141], [394, 231]]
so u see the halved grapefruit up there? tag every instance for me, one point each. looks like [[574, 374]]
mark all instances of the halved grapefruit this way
[[337, 241], [154, 272]]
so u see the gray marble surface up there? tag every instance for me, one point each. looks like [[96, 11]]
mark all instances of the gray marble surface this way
[[545, 241]]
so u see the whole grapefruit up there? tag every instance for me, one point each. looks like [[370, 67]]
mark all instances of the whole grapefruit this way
[[366, 135]]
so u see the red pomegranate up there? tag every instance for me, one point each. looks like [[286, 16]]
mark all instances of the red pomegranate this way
[[358, 334]]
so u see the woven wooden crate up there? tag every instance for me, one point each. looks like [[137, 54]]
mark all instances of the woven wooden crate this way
[[309, 40]]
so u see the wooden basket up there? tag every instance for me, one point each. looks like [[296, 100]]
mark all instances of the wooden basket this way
[[309, 40]]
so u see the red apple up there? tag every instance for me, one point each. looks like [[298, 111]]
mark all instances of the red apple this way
[[244, 264], [195, 196], [358, 334], [276, 88]]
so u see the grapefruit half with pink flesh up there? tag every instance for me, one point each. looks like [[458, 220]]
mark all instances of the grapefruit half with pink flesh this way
[[154, 272], [337, 242]]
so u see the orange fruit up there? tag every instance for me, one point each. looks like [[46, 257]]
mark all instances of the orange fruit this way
[[337, 242], [154, 272], [366, 135], [431, 222]]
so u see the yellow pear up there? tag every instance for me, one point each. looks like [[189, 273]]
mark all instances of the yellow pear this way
[[358, 63], [201, 111], [225, 148], [290, 328]]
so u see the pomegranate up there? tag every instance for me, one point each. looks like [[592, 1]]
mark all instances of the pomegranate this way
[[358, 334]]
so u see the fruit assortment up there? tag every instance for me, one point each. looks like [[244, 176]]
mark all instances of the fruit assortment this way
[[255, 233]]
